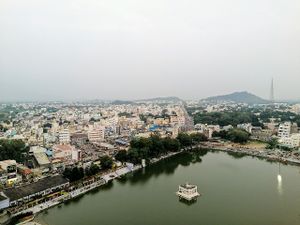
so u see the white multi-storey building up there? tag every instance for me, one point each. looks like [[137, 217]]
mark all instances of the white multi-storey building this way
[[96, 134], [284, 130], [64, 136]]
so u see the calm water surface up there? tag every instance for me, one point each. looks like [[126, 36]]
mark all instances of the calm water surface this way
[[235, 191]]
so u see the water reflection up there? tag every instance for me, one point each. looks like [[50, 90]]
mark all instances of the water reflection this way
[[107, 186], [237, 155], [122, 180], [167, 166], [94, 191], [187, 203], [74, 200], [279, 181]]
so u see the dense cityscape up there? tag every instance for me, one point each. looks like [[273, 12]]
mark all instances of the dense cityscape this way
[[52, 152]]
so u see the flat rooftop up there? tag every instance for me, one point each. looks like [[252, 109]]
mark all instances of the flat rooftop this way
[[43, 184], [41, 158]]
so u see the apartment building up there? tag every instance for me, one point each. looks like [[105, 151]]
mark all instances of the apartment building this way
[[96, 134], [64, 137], [284, 130]]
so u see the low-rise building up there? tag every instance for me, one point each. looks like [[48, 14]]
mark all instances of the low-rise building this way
[[41, 158], [261, 134], [207, 130], [79, 138], [291, 142], [41, 188], [8, 172], [24, 171], [66, 152]]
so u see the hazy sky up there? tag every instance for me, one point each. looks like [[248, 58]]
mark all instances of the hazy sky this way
[[131, 49]]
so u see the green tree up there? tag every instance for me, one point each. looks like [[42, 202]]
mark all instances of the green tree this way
[[156, 146], [272, 144], [133, 155], [184, 139], [106, 162], [13, 149], [171, 145], [140, 142], [238, 136], [121, 156], [198, 137], [222, 134], [234, 135], [73, 174], [94, 169], [227, 118]]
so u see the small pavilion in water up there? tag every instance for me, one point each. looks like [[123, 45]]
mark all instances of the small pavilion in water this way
[[188, 192]]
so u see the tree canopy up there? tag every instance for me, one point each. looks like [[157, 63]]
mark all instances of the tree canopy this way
[[92, 170], [184, 139], [74, 174], [155, 146], [227, 118], [106, 162], [121, 156], [13, 149], [255, 117], [235, 135], [272, 144]]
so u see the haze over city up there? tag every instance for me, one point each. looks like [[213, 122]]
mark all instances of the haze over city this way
[[89, 49]]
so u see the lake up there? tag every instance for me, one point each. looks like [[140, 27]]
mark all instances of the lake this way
[[236, 190]]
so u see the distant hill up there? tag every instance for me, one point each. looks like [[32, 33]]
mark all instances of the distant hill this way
[[122, 102], [156, 100], [239, 97], [161, 99]]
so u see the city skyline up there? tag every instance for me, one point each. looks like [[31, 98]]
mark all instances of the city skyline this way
[[80, 50]]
